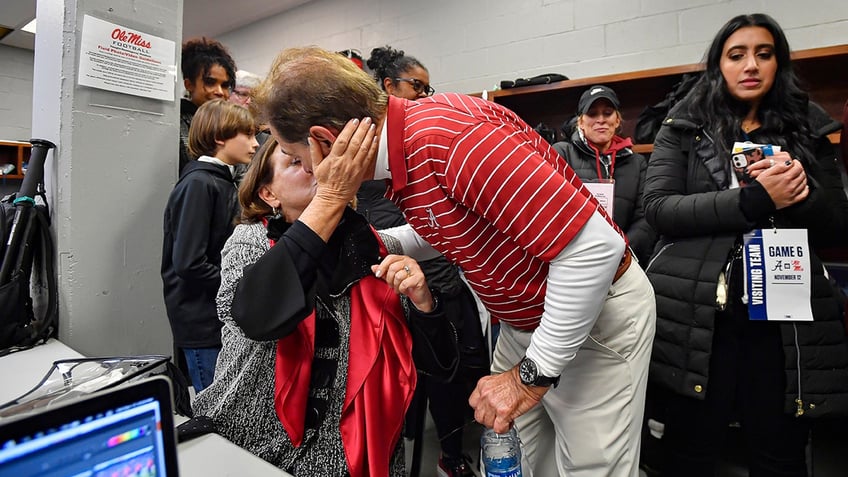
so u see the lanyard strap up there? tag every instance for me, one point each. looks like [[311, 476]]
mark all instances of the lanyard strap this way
[[598, 163]]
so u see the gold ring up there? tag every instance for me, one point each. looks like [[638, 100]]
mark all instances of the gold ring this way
[[407, 270]]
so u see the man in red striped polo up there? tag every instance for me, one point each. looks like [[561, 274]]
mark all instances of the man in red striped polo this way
[[486, 191]]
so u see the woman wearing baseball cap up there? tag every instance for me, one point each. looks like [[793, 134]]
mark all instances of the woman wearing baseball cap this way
[[605, 163]]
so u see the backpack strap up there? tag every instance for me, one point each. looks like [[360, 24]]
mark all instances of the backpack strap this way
[[46, 327]]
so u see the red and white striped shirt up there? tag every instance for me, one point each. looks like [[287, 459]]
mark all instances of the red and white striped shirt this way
[[489, 193]]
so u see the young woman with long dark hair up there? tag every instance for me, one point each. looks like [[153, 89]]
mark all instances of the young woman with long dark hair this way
[[718, 364]]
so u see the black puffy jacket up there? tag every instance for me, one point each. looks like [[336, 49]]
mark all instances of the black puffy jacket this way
[[629, 175], [187, 111], [699, 219]]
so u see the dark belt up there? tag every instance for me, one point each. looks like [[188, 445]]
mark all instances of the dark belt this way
[[624, 265]]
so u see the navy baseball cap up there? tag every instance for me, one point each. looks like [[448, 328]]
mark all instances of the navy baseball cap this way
[[595, 93]]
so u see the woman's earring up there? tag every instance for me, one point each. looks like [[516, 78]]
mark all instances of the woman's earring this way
[[276, 212]]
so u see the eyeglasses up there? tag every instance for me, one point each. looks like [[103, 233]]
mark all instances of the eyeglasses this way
[[418, 86], [241, 94]]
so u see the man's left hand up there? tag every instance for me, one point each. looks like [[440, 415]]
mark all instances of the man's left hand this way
[[499, 399]]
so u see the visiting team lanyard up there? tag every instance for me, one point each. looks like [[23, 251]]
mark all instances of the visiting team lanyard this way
[[777, 275]]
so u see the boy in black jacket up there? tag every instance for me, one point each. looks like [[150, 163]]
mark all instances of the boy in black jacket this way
[[199, 217]]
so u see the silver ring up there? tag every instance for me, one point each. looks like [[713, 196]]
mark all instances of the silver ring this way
[[771, 162], [407, 270]]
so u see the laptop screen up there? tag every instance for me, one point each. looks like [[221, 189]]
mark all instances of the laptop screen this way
[[125, 432]]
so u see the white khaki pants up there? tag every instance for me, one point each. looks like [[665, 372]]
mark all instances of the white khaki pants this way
[[591, 422]]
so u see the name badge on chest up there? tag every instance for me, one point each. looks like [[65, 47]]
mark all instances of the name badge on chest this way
[[777, 275], [604, 192]]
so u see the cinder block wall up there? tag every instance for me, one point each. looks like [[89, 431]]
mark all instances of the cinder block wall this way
[[15, 93], [470, 45]]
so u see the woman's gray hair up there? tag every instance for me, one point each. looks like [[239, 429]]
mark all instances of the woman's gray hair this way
[[247, 79]]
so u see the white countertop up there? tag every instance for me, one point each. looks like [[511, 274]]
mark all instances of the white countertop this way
[[206, 455]]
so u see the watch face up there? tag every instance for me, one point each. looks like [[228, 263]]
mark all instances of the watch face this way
[[527, 371]]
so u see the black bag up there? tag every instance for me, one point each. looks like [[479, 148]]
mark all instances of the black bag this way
[[650, 119], [461, 310], [435, 354], [27, 268], [569, 127], [540, 79], [19, 327], [546, 132]]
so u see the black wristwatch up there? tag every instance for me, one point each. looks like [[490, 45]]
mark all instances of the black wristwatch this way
[[529, 374]]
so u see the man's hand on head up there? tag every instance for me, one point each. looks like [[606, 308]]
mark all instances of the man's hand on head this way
[[340, 173]]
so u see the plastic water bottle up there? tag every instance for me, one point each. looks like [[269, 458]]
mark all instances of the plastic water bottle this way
[[501, 453]]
